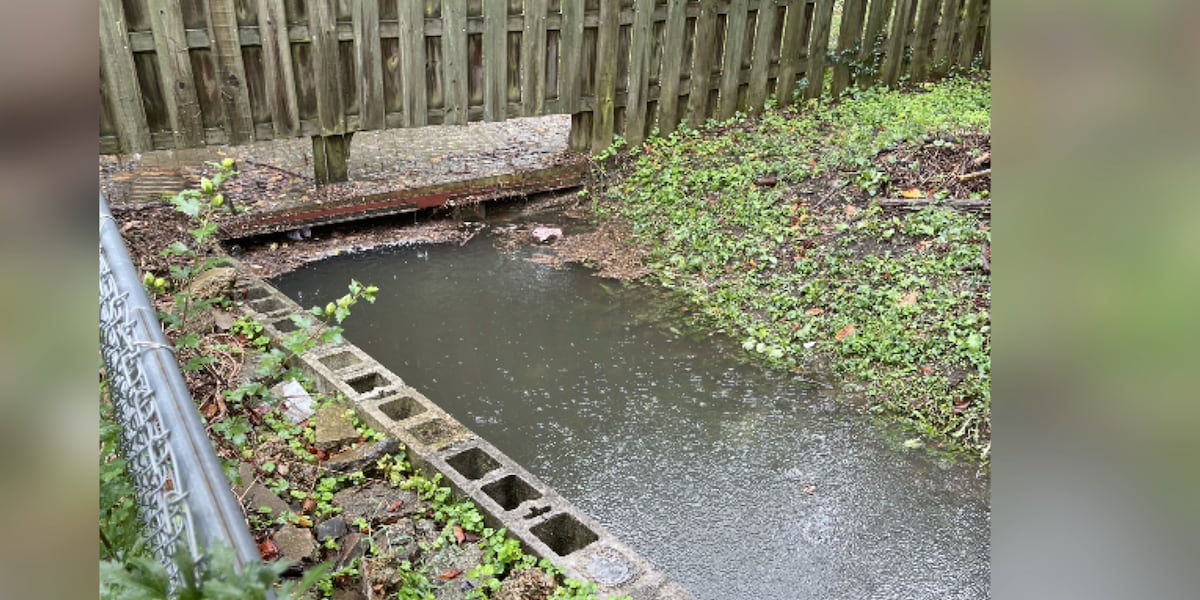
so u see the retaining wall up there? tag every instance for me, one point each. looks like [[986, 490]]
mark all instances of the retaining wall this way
[[545, 523]]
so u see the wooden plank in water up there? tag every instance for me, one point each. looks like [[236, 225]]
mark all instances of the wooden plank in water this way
[[368, 61], [308, 214], [702, 62], [454, 60], [231, 73], [175, 70], [116, 64], [672, 64], [277, 68]]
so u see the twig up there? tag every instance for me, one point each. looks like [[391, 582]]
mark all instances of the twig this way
[[975, 175], [919, 203], [982, 158]]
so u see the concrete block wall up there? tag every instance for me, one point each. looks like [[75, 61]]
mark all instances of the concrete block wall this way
[[545, 523]]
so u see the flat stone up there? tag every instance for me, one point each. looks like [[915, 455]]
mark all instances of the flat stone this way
[[531, 584], [344, 594], [331, 529], [372, 501], [297, 403], [448, 559], [353, 546], [295, 544], [333, 428], [545, 235], [213, 283], [362, 457]]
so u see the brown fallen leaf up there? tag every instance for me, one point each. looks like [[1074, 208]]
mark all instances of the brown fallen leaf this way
[[395, 506], [451, 574], [268, 550], [912, 194], [927, 371], [458, 534], [851, 210], [844, 333], [309, 505], [909, 299], [813, 312]]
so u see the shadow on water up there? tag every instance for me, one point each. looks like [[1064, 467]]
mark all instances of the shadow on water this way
[[738, 482]]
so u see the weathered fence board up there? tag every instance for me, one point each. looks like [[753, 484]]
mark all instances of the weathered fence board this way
[[118, 72], [185, 73], [850, 40], [818, 48], [927, 18]]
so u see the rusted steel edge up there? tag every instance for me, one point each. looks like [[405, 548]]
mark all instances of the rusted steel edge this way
[[409, 200]]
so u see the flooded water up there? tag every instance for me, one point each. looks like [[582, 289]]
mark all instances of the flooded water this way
[[737, 482]]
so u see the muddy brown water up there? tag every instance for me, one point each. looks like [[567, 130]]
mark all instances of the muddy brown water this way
[[738, 482]]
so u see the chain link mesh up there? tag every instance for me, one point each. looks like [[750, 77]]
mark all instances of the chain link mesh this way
[[143, 439]]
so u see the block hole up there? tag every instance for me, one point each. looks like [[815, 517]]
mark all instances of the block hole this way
[[510, 491], [341, 360], [257, 292], [431, 432], [285, 326], [268, 305], [564, 534], [473, 463], [363, 384], [399, 409]]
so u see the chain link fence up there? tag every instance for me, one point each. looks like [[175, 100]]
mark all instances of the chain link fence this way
[[182, 494]]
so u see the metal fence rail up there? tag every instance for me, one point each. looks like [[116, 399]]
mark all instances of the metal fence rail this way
[[183, 496]]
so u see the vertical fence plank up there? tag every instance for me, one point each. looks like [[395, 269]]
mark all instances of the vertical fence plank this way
[[927, 16], [818, 48], [969, 33], [331, 114], [849, 44], [673, 52], [639, 71], [277, 67], [368, 61], [231, 73], [495, 60], [735, 41], [987, 43], [454, 59], [943, 43], [116, 64], [569, 77], [604, 113], [702, 62], [795, 23], [764, 42], [175, 69], [411, 19], [896, 42], [533, 58], [871, 56]]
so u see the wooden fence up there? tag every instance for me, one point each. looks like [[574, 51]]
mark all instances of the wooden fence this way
[[186, 73]]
